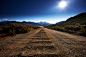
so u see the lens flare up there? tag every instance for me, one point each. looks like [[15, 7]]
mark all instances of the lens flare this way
[[62, 4]]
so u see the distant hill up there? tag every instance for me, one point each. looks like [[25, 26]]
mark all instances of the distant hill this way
[[3, 23], [44, 23], [60, 22], [80, 18]]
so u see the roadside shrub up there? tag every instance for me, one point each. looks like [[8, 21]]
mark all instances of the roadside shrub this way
[[13, 29], [83, 32], [75, 29]]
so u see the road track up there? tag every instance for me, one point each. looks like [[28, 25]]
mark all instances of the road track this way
[[43, 43]]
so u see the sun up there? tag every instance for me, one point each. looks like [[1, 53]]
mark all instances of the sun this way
[[62, 4]]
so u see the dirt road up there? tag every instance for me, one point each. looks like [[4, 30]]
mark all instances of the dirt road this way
[[43, 43]]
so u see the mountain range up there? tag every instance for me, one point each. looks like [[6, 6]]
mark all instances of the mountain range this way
[[3, 23], [80, 18]]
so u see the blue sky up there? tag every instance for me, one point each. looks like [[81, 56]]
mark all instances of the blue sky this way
[[40, 10]]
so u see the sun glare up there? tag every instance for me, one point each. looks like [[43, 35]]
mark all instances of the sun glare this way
[[62, 4]]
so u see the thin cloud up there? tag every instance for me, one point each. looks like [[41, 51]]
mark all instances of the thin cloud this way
[[5, 19]]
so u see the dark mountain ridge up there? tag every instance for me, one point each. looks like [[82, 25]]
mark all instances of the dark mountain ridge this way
[[80, 18], [3, 23]]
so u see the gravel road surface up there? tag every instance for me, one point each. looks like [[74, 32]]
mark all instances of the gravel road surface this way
[[43, 43]]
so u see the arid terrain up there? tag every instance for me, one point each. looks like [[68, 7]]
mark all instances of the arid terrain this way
[[43, 43]]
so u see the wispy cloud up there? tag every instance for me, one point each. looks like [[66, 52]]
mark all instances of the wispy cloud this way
[[5, 19]]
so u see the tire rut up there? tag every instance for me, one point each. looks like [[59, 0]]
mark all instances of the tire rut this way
[[43, 43]]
